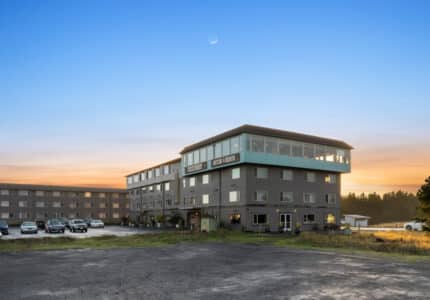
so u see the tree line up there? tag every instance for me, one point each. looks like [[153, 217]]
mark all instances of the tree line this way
[[397, 206]]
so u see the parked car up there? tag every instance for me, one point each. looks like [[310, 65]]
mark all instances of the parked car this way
[[40, 224], [28, 227], [88, 221], [97, 224], [78, 225], [63, 220], [413, 225], [4, 228], [54, 225]]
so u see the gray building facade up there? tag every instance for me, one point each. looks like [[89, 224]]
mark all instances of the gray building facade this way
[[249, 178], [20, 202]]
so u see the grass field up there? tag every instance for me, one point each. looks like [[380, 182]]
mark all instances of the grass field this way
[[393, 243]]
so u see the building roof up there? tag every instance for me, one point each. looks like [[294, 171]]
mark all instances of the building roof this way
[[277, 133], [156, 166], [15, 186], [357, 216]]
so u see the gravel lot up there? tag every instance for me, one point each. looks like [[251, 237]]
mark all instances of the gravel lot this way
[[14, 233], [208, 271]]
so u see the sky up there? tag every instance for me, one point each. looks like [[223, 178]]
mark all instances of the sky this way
[[93, 90]]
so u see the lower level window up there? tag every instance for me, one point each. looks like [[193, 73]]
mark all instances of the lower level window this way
[[330, 198], [205, 199], [234, 196], [260, 219], [309, 218], [115, 215], [235, 219], [4, 215], [102, 215]]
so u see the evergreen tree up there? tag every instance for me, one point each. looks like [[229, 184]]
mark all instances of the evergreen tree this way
[[423, 196]]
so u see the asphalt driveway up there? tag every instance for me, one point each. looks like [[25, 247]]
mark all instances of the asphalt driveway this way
[[208, 271]]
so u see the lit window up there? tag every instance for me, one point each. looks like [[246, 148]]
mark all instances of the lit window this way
[[235, 219], [205, 199], [235, 173], [205, 179], [40, 193], [260, 219], [330, 198], [261, 173], [87, 194], [115, 215], [158, 187], [261, 196], [287, 175], [330, 178], [102, 215], [309, 219], [150, 188], [234, 196], [115, 205], [309, 198], [4, 203], [287, 196], [167, 186], [192, 181], [331, 219], [310, 176], [4, 192], [330, 154]]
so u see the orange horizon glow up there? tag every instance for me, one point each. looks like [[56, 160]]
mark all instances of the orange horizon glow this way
[[373, 170]]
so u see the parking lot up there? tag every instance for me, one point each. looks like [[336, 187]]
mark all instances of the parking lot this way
[[208, 271], [14, 233]]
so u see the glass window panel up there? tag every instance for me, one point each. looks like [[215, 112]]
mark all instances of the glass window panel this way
[[319, 152], [297, 150], [210, 153], [196, 155], [218, 150], [308, 151], [284, 147], [235, 145], [287, 175], [271, 145], [262, 173], [330, 154], [235, 173], [257, 143], [226, 147], [190, 158], [287, 196], [205, 199], [261, 196], [234, 196], [203, 157]]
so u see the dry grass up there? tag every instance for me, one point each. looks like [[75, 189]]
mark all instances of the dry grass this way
[[420, 240]]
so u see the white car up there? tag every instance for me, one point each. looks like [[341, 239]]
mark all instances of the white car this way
[[97, 224], [28, 227], [413, 225]]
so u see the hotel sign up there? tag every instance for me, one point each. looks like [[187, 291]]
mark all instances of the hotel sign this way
[[225, 160], [196, 167]]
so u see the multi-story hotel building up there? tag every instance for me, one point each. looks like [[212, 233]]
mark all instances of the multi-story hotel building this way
[[253, 178], [20, 202]]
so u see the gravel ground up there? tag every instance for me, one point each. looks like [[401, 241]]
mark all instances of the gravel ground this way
[[15, 233], [208, 271]]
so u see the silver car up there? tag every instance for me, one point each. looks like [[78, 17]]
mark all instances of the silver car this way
[[97, 224], [28, 227]]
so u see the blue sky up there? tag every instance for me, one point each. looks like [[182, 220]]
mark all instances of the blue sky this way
[[113, 86]]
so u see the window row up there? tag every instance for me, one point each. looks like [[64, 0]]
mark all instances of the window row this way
[[262, 144], [149, 174], [25, 193], [217, 150], [26, 215], [5, 203]]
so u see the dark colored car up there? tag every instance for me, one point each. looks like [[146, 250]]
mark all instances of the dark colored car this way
[[88, 221], [76, 225], [54, 225], [40, 224], [4, 228], [64, 221]]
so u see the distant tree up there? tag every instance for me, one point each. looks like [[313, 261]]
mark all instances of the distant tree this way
[[423, 196]]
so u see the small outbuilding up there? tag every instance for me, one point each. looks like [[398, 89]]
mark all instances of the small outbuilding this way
[[356, 220]]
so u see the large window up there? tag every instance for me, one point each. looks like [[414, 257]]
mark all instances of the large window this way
[[196, 157], [234, 196], [22, 203], [40, 193], [203, 157], [22, 193], [56, 204], [218, 150], [309, 219], [284, 148], [257, 143], [309, 198], [40, 204], [330, 178], [261, 173], [205, 199], [158, 187], [4, 203], [261, 196], [210, 152], [4, 192], [235, 144], [136, 178], [115, 205], [287, 175], [271, 146], [157, 172], [167, 186], [235, 173], [192, 181], [235, 219], [287, 197], [308, 151], [205, 179], [166, 170], [297, 150], [87, 194], [330, 198], [260, 219], [226, 147], [310, 176], [190, 159]]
